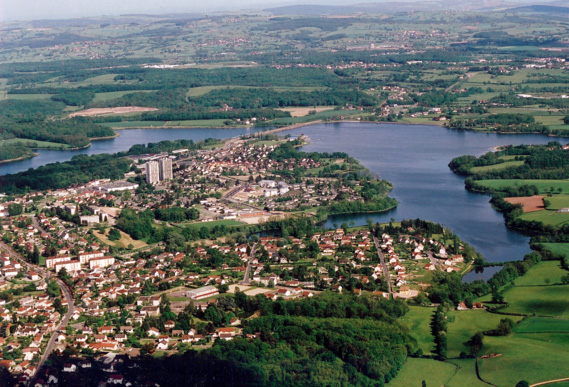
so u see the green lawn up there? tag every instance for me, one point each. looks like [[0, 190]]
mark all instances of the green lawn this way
[[548, 355], [540, 273], [542, 325], [551, 301], [542, 185], [414, 371]]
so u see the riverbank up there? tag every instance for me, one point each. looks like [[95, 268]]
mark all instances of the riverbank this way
[[19, 158]]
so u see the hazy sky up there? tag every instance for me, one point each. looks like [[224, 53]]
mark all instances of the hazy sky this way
[[63, 9]]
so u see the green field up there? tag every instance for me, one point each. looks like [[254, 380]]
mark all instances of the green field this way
[[531, 357], [497, 167], [100, 97], [542, 325], [28, 97], [547, 217], [464, 324], [414, 371], [465, 374], [551, 301], [557, 202], [210, 225], [558, 248], [418, 320], [37, 144], [540, 273]]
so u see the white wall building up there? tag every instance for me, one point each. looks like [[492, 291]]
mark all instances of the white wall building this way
[[165, 169], [152, 172]]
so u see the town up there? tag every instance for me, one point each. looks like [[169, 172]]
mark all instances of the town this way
[[165, 298]]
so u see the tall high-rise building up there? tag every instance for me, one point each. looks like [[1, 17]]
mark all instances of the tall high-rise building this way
[[166, 169], [152, 172]]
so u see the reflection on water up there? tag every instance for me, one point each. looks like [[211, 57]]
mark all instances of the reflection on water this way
[[413, 157]]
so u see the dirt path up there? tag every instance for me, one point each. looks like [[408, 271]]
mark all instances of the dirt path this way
[[549, 382]]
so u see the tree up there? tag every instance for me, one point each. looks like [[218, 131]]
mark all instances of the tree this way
[[505, 327], [114, 234], [475, 343], [15, 209], [53, 289], [522, 383], [223, 288]]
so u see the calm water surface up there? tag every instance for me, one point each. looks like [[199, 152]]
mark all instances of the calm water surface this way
[[126, 139], [413, 157]]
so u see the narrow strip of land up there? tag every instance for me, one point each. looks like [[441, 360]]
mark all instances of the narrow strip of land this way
[[549, 382]]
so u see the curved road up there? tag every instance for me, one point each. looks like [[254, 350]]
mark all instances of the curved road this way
[[64, 290]]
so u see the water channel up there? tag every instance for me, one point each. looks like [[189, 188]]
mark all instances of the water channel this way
[[413, 157]]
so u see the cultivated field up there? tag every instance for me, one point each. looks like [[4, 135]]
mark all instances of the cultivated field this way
[[529, 204], [304, 111], [116, 110]]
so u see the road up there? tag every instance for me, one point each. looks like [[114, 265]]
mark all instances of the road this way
[[383, 264], [66, 293], [246, 280], [37, 225], [468, 76], [433, 260], [51, 343]]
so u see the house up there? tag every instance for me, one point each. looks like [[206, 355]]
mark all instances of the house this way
[[106, 329], [68, 367], [115, 379], [462, 306], [162, 345], [283, 292], [153, 332], [226, 333]]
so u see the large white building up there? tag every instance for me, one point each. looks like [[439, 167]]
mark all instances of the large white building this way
[[203, 292], [166, 169], [101, 262], [152, 172], [70, 266], [50, 262], [85, 257]]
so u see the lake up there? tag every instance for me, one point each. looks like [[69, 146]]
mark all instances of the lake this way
[[413, 157], [126, 139]]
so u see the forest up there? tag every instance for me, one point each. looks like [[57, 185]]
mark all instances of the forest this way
[[80, 170], [549, 161], [331, 339]]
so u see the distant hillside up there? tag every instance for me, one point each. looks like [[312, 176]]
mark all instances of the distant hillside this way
[[384, 7], [541, 9], [312, 10]]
